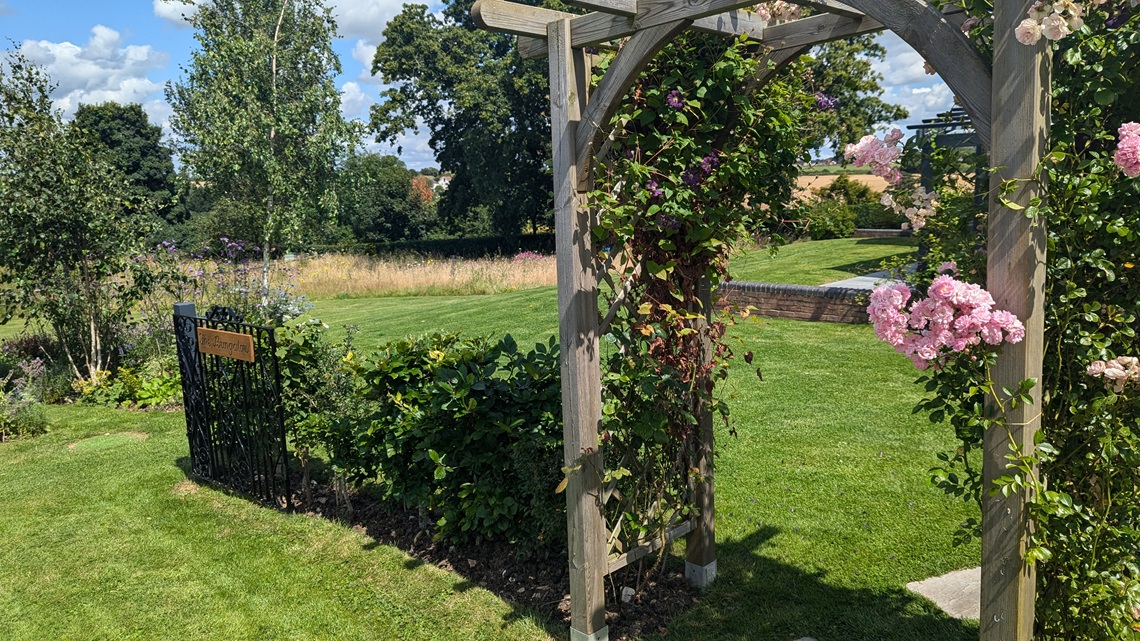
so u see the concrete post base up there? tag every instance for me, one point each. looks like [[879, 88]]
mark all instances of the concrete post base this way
[[700, 575], [600, 635]]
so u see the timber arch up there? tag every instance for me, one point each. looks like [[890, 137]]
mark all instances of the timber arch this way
[[1008, 102]]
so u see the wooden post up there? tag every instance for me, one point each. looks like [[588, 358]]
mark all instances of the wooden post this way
[[1016, 278], [578, 333], [700, 547]]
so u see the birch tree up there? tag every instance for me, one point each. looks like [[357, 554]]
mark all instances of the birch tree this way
[[257, 114]]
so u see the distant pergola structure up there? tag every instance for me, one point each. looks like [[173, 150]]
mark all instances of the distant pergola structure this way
[[1008, 103]]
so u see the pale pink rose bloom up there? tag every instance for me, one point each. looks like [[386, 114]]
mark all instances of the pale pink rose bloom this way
[[943, 287], [885, 156], [1067, 7], [1028, 32], [1039, 10], [970, 23], [893, 176], [948, 266], [1096, 368], [887, 200], [1127, 155], [927, 68], [1075, 23], [1055, 27], [894, 137], [1130, 129], [1015, 332], [763, 13]]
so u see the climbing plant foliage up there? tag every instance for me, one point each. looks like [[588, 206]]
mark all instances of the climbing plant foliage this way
[[1086, 505], [699, 158]]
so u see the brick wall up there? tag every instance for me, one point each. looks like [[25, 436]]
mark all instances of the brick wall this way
[[829, 304]]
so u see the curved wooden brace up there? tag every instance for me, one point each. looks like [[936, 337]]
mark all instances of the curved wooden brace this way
[[605, 98], [941, 43]]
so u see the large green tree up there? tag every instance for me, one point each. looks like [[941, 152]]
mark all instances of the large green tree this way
[[842, 71], [71, 228], [377, 201], [134, 146], [258, 116], [484, 108]]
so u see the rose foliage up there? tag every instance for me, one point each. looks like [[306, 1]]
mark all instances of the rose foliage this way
[[1086, 501]]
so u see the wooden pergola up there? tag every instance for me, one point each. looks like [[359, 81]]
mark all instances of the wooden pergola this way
[[1008, 103]]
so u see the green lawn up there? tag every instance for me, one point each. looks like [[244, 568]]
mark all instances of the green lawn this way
[[824, 513], [815, 262]]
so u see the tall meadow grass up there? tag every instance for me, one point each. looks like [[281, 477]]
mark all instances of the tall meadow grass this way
[[346, 276]]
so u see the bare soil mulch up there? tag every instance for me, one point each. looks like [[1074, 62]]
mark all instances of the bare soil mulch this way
[[538, 583]]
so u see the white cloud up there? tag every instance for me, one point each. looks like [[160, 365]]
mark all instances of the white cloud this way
[[362, 52], [364, 18], [174, 11], [902, 66], [921, 102], [102, 70], [354, 103]]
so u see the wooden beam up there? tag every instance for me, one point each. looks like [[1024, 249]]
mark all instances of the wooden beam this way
[[818, 29], [1016, 278], [593, 28], [530, 47], [514, 18], [830, 6], [733, 23], [619, 7], [580, 354], [945, 47]]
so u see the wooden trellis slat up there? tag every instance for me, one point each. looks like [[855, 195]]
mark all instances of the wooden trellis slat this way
[[619, 561]]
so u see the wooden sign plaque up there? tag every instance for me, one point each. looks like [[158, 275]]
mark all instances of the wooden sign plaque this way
[[226, 344]]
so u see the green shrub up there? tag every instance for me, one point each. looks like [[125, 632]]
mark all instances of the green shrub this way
[[21, 413], [847, 191], [321, 406], [874, 215], [470, 431], [831, 219]]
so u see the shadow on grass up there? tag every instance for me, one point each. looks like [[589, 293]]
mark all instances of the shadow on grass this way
[[757, 598], [897, 241]]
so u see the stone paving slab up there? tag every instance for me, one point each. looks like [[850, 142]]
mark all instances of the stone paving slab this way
[[870, 281], [958, 593]]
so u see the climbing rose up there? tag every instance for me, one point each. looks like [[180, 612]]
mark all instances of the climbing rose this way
[[953, 318], [1028, 32], [878, 154], [1117, 373], [1128, 150]]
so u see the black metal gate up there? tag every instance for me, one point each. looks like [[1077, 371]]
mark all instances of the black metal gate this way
[[234, 418]]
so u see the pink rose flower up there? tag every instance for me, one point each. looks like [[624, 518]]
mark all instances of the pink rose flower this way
[[1096, 368], [1054, 27], [1028, 32], [1127, 155]]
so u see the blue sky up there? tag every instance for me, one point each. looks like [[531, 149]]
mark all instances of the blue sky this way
[[127, 50]]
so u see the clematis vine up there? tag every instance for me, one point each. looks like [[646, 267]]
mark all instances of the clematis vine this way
[[955, 317]]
